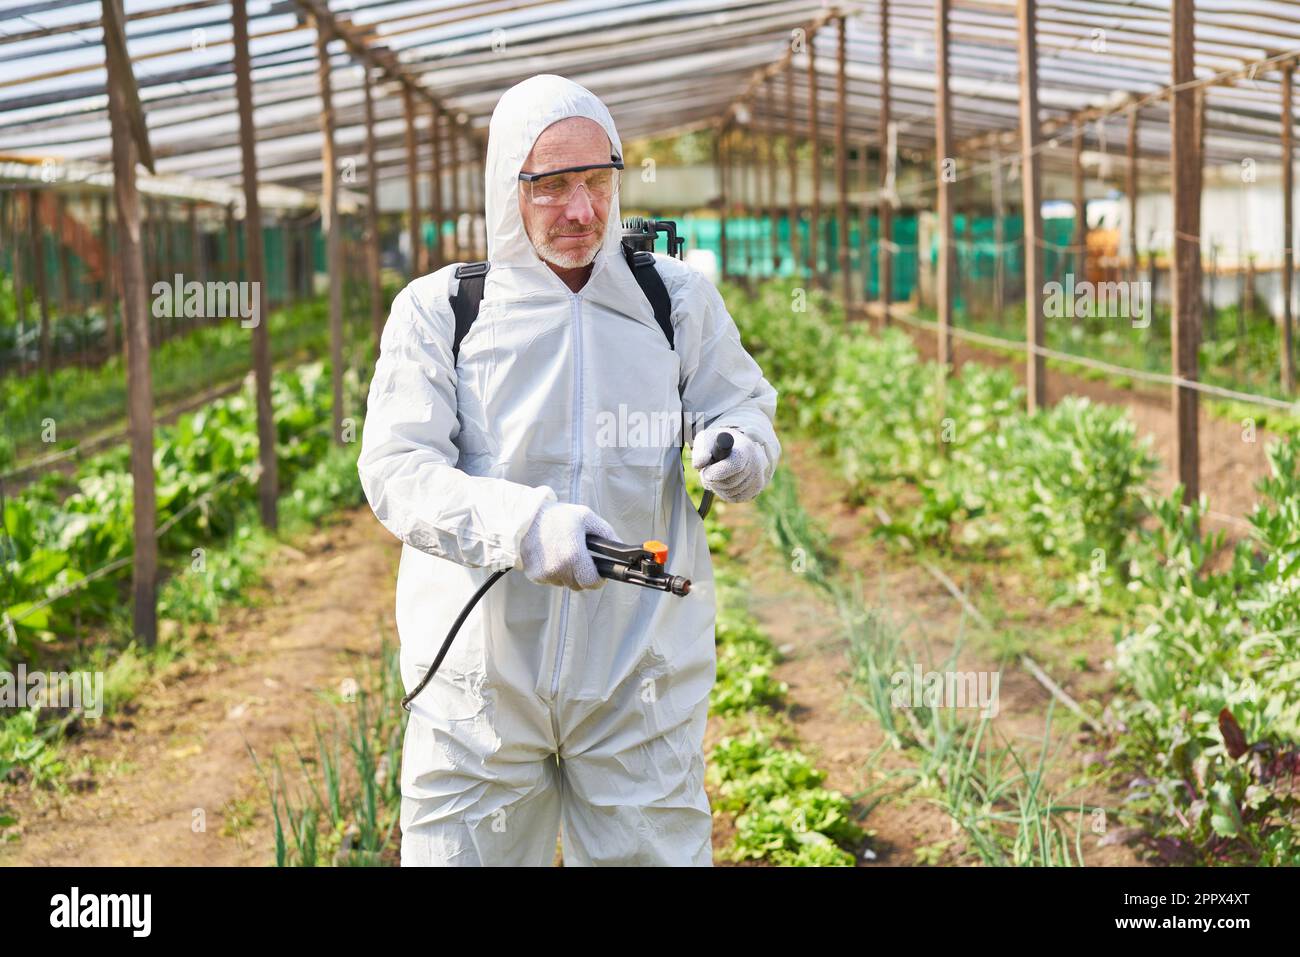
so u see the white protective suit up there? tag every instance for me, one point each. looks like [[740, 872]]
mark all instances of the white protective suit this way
[[457, 460]]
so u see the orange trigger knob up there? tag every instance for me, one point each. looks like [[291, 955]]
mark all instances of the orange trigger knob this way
[[659, 548]]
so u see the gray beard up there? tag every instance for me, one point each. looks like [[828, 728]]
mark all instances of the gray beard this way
[[570, 258]]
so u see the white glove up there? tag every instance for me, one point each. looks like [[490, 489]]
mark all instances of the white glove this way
[[554, 549], [737, 478]]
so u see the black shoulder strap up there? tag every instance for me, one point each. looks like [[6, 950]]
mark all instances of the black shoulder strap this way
[[465, 301], [642, 264], [472, 276]]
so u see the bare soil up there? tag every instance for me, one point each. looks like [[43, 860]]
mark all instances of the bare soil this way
[[171, 780]]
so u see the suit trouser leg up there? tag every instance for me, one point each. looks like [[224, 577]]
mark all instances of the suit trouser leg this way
[[640, 804], [467, 808]]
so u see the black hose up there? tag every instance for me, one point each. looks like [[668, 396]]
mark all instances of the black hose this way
[[446, 645]]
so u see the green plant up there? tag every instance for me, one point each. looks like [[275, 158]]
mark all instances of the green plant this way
[[345, 811], [59, 531], [783, 812], [1212, 657]]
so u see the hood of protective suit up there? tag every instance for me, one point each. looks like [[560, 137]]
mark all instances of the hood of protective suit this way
[[522, 113]]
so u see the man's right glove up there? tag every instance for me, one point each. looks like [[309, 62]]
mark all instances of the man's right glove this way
[[554, 549]]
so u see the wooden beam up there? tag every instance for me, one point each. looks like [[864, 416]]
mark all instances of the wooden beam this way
[[1048, 127], [1080, 214], [1131, 187], [435, 191], [1203, 310], [758, 254], [1288, 231], [65, 255], [476, 190], [254, 271], [755, 211], [373, 272], [864, 220], [82, 24], [753, 205], [770, 161], [453, 145], [20, 293], [412, 184], [720, 160], [814, 142], [1031, 180], [232, 245], [440, 215], [744, 178], [943, 157], [357, 41], [287, 259], [792, 161], [466, 169], [332, 227], [1185, 334], [107, 292], [842, 163], [139, 382], [999, 234], [196, 242], [36, 200], [771, 69], [114, 30], [888, 157]]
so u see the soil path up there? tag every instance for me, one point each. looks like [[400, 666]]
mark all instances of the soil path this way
[[836, 730], [181, 751]]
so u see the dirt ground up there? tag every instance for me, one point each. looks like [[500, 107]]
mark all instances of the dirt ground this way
[[182, 750], [839, 734], [180, 754]]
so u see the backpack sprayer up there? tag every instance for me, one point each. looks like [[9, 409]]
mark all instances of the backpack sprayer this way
[[640, 233], [633, 564]]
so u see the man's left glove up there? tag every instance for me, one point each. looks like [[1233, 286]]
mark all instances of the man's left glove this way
[[737, 478]]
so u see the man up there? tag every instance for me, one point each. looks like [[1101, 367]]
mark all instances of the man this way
[[578, 704]]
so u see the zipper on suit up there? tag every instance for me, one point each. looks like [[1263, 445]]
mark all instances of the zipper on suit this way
[[576, 300]]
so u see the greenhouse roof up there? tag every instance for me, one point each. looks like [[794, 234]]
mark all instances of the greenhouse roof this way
[[662, 66]]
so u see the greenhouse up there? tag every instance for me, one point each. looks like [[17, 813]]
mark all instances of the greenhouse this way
[[995, 298]]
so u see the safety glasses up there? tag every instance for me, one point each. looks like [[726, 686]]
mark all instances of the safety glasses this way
[[556, 187]]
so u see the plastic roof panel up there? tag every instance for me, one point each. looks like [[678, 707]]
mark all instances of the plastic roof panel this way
[[661, 65]]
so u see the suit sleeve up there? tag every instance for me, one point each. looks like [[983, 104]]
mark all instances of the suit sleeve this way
[[722, 385], [408, 460]]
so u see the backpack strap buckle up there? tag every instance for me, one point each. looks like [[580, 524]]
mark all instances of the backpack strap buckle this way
[[465, 302]]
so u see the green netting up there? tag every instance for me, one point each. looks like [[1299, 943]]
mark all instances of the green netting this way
[[977, 252], [749, 247], [976, 249]]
